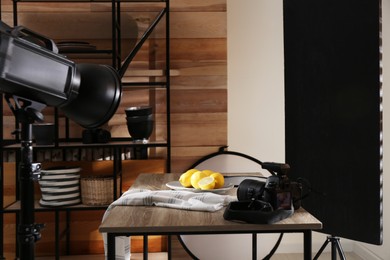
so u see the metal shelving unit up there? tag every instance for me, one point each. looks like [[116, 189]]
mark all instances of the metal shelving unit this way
[[116, 144]]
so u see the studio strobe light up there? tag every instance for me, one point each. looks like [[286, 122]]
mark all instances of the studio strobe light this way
[[33, 75]]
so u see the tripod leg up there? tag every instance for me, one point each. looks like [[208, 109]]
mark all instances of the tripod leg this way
[[321, 249], [336, 247], [333, 248], [339, 248]]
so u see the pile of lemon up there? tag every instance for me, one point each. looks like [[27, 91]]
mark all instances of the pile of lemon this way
[[203, 180]]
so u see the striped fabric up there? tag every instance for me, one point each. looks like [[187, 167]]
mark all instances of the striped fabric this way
[[60, 187]]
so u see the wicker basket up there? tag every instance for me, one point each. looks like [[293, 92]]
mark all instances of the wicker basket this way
[[97, 190]]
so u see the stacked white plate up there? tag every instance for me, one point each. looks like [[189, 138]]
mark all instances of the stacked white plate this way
[[60, 187]]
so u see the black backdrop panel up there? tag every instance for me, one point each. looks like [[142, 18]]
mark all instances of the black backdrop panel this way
[[332, 106]]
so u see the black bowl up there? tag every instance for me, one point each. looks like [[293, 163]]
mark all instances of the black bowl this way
[[136, 119], [138, 111], [140, 130], [43, 133]]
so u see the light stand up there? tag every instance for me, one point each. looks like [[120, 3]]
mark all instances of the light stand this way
[[28, 172], [34, 75], [335, 245]]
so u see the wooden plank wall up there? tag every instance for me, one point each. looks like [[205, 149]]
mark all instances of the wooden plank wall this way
[[198, 85], [198, 62], [199, 93]]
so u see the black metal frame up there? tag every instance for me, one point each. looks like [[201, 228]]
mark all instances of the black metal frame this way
[[117, 143], [223, 151], [116, 63], [307, 240], [335, 248]]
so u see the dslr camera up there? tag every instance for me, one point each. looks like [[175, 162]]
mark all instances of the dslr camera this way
[[277, 191]]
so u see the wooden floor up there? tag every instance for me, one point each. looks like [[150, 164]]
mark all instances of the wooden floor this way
[[163, 256]]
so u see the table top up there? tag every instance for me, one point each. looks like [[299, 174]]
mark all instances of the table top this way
[[159, 220]]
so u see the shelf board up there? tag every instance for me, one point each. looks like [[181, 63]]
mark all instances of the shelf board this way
[[143, 85], [113, 144], [134, 256], [88, 55], [15, 207], [72, 257], [86, 1], [80, 144], [149, 73]]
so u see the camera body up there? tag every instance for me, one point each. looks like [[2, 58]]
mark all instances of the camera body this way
[[277, 190], [281, 192]]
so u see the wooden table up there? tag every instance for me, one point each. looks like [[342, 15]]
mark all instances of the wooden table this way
[[149, 220]]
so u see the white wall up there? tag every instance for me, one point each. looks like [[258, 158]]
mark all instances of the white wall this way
[[255, 78], [256, 98]]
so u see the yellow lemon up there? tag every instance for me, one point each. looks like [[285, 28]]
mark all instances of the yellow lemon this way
[[219, 180], [196, 177], [208, 172], [185, 178], [207, 183]]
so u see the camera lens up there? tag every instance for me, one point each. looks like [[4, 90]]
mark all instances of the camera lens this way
[[249, 189]]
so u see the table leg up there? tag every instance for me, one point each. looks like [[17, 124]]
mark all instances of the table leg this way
[[254, 246], [110, 246], [57, 235], [146, 249], [169, 237], [307, 244], [67, 232]]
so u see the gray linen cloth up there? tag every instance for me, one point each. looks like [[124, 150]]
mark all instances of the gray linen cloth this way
[[177, 199]]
